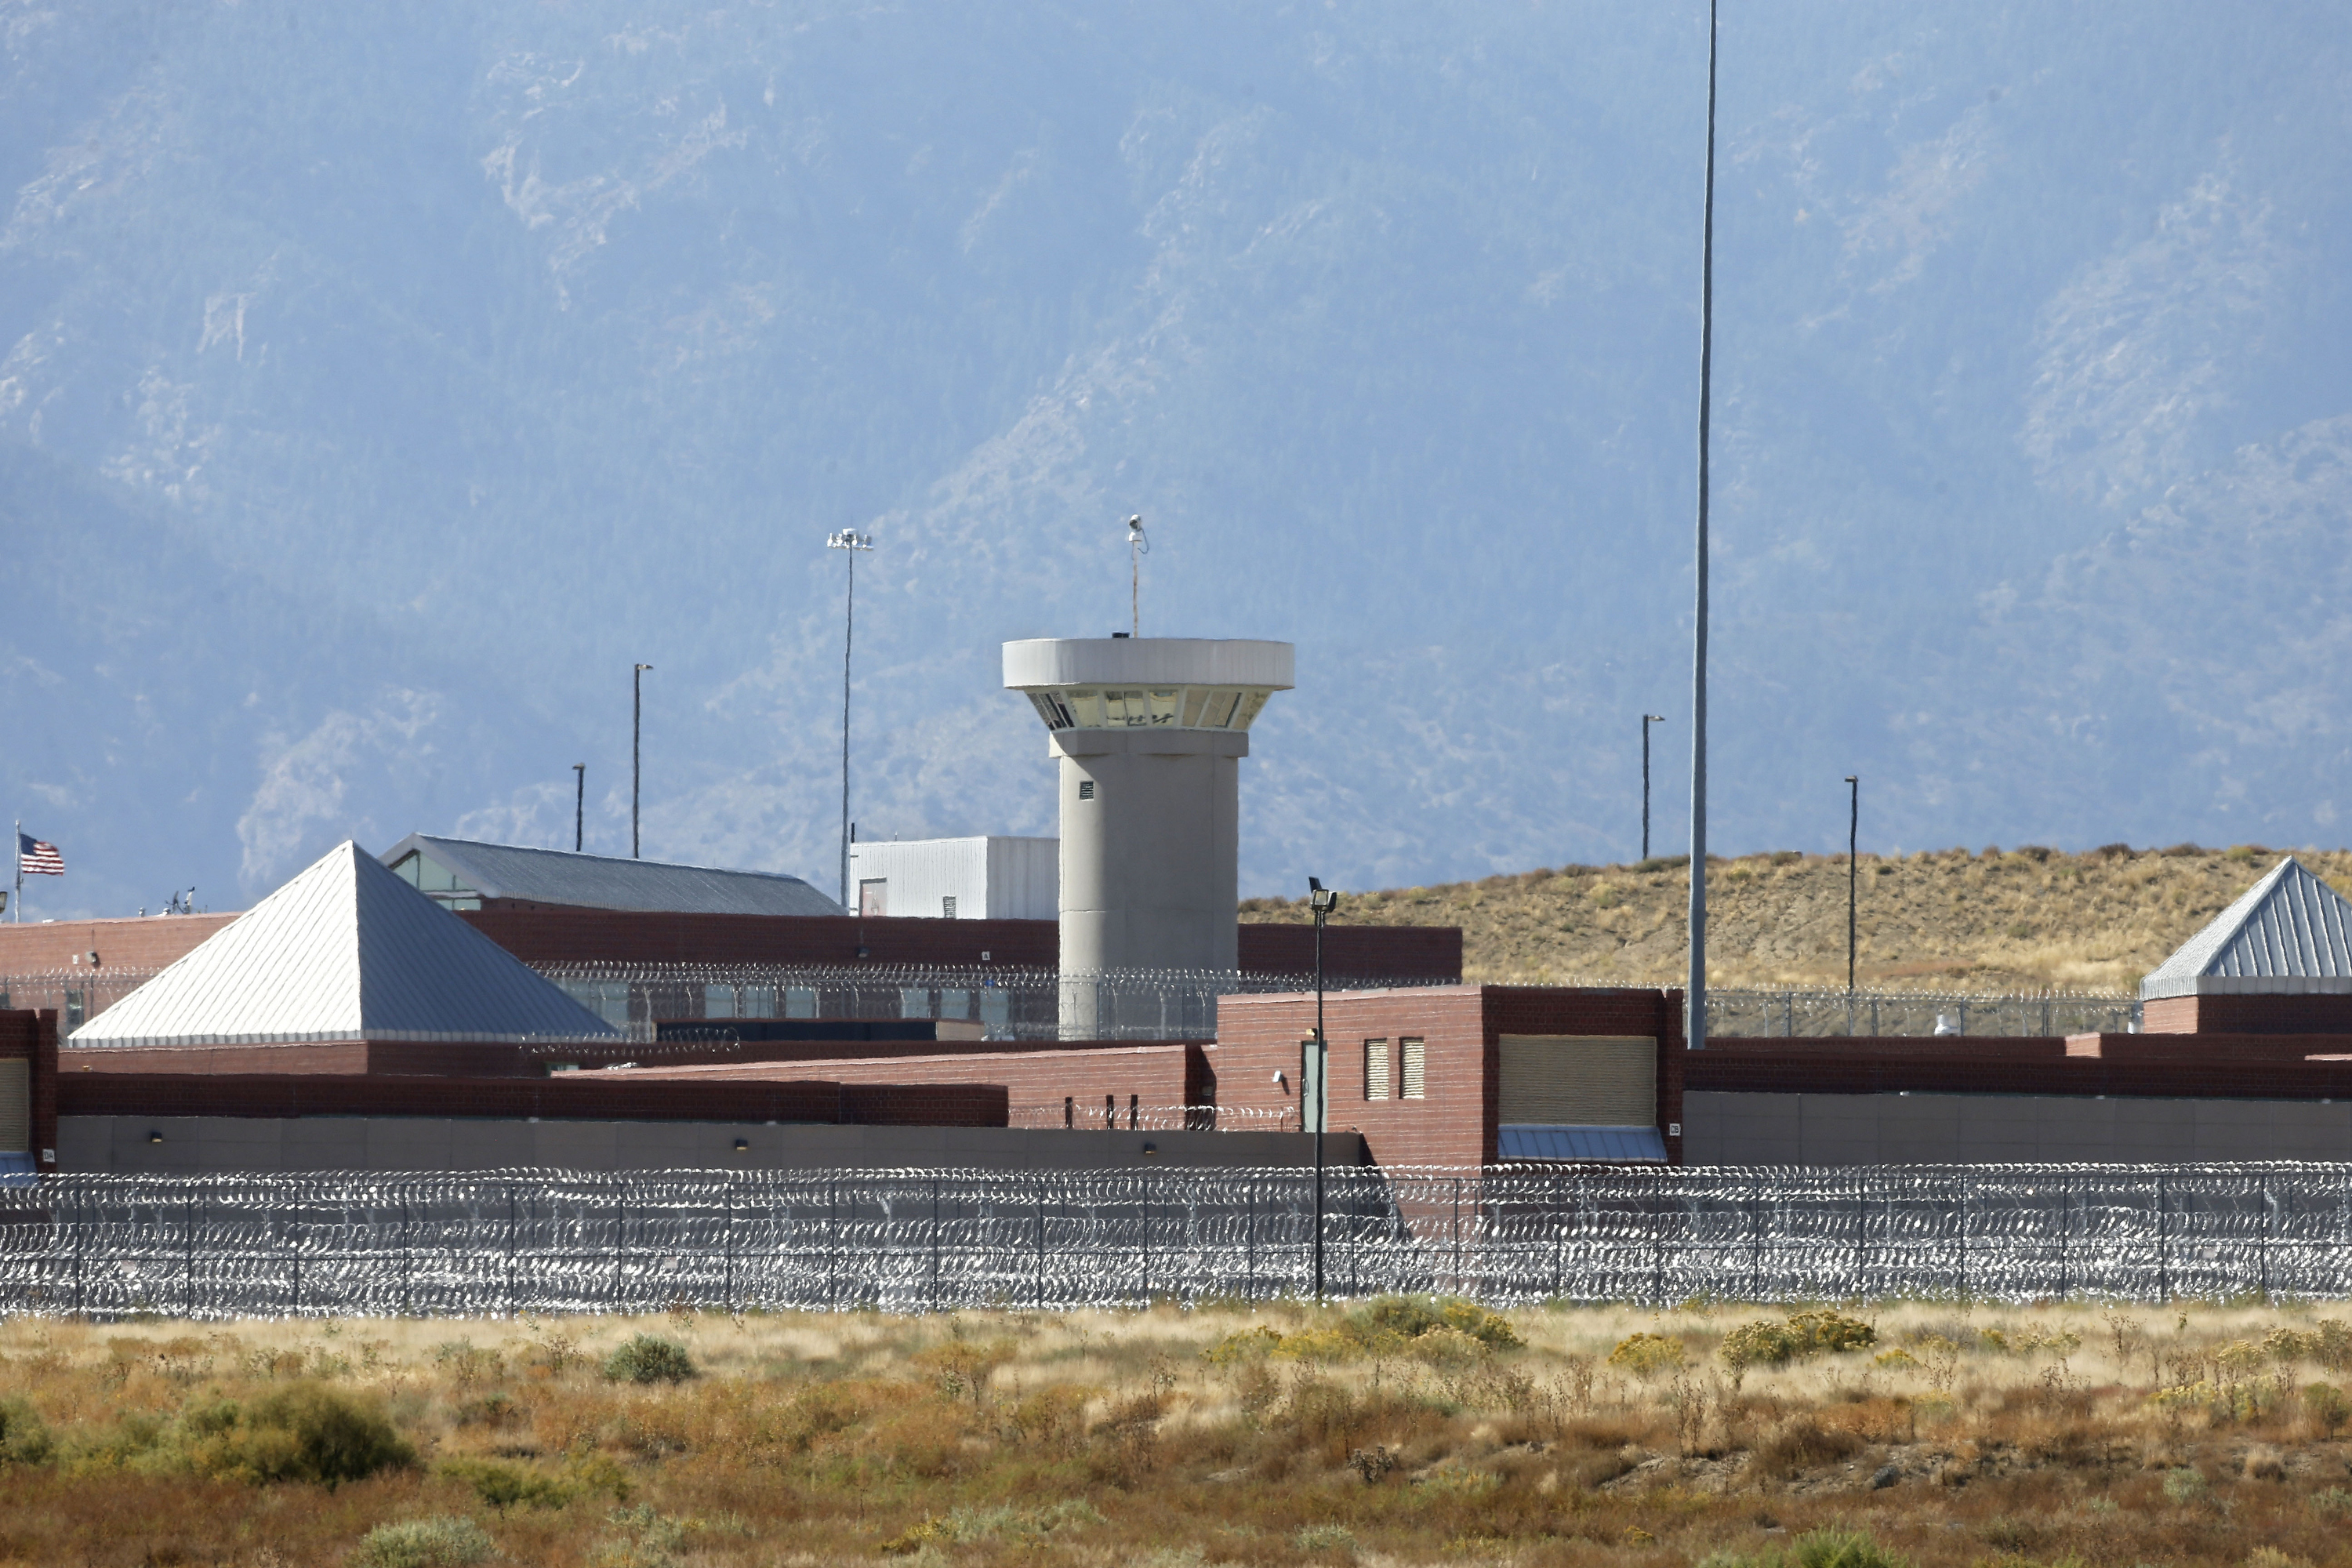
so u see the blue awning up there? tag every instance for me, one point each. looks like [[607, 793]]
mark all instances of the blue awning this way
[[1579, 1143]]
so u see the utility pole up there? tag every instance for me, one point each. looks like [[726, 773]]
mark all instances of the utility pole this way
[[1322, 900], [849, 542], [1647, 720], [579, 804], [636, 730], [1695, 994]]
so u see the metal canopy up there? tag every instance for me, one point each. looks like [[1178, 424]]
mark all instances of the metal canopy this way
[[346, 950], [2289, 934], [610, 882]]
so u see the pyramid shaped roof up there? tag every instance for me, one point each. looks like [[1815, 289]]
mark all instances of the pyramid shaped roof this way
[[346, 950], [2288, 933]]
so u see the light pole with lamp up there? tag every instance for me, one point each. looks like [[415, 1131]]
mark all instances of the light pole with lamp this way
[[1322, 900], [850, 542], [636, 730], [1647, 720]]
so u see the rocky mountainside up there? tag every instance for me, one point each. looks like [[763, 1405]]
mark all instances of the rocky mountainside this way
[[377, 386]]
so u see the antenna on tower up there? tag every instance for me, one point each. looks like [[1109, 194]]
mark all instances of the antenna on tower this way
[[1138, 547]]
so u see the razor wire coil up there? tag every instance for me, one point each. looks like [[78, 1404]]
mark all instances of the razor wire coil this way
[[509, 1242]]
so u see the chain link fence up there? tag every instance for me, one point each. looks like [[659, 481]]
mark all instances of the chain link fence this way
[[1798, 1014], [512, 1242], [1015, 1003]]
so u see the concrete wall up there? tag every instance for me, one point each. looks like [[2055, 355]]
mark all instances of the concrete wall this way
[[1735, 1129], [1149, 870], [989, 878], [222, 1144]]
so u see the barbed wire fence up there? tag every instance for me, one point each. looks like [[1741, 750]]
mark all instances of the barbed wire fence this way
[[505, 1243], [1801, 1014], [1007, 1002]]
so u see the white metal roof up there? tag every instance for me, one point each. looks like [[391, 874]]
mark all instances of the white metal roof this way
[[609, 882], [1043, 662], [2289, 934], [346, 950]]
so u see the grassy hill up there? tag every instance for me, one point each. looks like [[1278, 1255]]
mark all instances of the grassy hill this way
[[1994, 919]]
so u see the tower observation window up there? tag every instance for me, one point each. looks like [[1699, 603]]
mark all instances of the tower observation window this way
[[1163, 707]]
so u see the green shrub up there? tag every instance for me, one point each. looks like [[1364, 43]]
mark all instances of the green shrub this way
[[1841, 1549], [502, 1484], [1760, 1343], [305, 1432], [1325, 1538], [1814, 1548], [1767, 1343], [23, 1435], [2184, 1485], [1409, 1317], [447, 1542], [2325, 1404], [648, 1358], [1645, 1354]]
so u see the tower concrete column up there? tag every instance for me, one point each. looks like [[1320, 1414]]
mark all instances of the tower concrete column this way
[[1147, 734]]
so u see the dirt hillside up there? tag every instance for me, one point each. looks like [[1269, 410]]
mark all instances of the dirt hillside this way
[[2028, 919]]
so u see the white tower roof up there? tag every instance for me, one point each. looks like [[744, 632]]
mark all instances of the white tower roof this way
[[346, 950], [2289, 934]]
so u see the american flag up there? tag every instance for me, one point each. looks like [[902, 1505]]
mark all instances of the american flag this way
[[37, 858]]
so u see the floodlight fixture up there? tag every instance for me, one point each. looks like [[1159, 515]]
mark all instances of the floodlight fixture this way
[[1138, 547]]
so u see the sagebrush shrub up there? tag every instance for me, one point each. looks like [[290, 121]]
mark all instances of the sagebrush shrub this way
[[1645, 1354], [503, 1484], [451, 1541], [649, 1358], [23, 1435], [307, 1432]]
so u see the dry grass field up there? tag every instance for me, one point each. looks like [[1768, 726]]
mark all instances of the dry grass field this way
[[1993, 919], [1400, 1432]]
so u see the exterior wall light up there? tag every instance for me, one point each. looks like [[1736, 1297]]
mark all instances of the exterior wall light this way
[[154, 1136]]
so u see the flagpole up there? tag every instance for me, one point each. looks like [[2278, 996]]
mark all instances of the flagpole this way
[[20, 870]]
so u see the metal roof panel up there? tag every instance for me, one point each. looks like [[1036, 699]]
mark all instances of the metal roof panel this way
[[345, 951], [2288, 933], [610, 882]]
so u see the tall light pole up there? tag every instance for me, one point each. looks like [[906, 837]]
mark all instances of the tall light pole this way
[[1853, 884], [850, 542], [1647, 720], [579, 804], [637, 733], [1322, 900], [1694, 994]]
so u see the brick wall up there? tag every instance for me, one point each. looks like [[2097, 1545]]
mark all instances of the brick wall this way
[[432, 1058], [1579, 1010], [1379, 953], [285, 1095], [2248, 1015], [2015, 1066], [1153, 1076], [541, 933], [1461, 1025], [149, 943], [28, 1035]]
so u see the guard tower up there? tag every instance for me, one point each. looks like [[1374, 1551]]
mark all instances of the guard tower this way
[[1149, 733]]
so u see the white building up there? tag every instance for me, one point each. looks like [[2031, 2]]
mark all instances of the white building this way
[[958, 879]]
